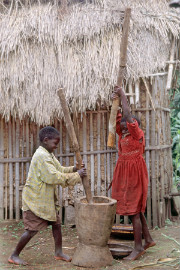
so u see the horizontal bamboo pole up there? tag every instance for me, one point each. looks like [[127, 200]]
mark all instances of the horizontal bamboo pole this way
[[150, 109], [27, 159]]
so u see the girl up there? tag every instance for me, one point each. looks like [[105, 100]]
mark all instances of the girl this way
[[130, 180]]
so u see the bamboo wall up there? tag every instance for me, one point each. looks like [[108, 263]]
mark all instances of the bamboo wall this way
[[19, 139]]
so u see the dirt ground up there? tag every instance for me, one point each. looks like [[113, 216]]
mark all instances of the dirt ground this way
[[40, 250]]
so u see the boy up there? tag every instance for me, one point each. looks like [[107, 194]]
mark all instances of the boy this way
[[39, 198]]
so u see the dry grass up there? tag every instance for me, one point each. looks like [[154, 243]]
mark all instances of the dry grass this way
[[42, 50]]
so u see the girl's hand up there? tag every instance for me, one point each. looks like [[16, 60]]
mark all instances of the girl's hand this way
[[117, 92]]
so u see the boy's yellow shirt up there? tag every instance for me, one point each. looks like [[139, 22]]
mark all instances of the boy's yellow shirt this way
[[39, 193]]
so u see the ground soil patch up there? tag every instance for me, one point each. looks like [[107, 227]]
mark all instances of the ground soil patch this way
[[40, 251]]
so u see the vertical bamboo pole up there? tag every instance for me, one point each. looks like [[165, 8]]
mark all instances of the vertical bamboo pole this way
[[108, 163], [164, 158], [66, 189], [75, 145], [27, 145], [37, 136], [121, 73], [153, 160], [61, 160], [148, 161], [76, 125], [170, 69], [10, 172], [105, 146], [117, 216], [158, 132], [92, 156], [22, 152], [17, 132], [169, 174], [56, 126], [6, 178], [168, 151], [85, 142], [1, 169], [162, 192], [98, 155]]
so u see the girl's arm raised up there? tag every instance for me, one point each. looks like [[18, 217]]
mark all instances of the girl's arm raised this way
[[118, 92]]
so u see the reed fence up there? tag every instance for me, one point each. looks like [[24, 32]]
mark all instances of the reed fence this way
[[148, 99]]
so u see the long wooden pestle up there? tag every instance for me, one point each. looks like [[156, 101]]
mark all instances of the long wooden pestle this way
[[74, 141], [121, 75]]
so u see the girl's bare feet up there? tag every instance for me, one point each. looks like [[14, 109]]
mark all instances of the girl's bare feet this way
[[149, 244], [134, 255]]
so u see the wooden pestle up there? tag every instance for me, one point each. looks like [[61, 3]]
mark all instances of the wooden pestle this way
[[121, 75], [74, 141]]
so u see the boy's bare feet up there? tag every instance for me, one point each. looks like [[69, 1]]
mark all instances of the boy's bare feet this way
[[63, 257], [134, 255], [149, 244], [16, 260]]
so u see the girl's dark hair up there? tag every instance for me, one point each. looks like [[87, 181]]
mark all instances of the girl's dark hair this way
[[49, 132], [133, 116]]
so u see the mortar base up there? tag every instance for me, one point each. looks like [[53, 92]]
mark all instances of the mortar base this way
[[92, 256]]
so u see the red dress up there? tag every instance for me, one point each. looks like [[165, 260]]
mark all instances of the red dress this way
[[130, 179]]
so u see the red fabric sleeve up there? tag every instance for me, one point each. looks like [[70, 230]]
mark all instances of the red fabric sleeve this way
[[118, 120], [134, 130]]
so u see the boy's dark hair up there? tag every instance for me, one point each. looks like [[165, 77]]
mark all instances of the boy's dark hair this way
[[133, 116], [49, 132]]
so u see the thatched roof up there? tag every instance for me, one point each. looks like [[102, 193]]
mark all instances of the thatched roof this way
[[42, 51]]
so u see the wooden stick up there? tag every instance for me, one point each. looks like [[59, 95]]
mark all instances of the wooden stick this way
[[170, 69], [98, 155], [92, 156], [17, 133], [85, 158], [10, 172], [72, 135], [61, 161], [6, 178], [153, 161], [122, 69], [105, 156], [1, 169]]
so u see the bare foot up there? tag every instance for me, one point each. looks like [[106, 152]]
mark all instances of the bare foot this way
[[149, 244], [63, 257], [134, 255], [16, 260]]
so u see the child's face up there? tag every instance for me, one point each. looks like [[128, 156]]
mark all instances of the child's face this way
[[51, 144], [123, 127]]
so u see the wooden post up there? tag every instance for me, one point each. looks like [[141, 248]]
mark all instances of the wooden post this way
[[92, 156], [170, 69], [98, 155], [72, 135], [148, 162], [61, 161], [17, 133], [153, 162], [122, 69], [1, 170]]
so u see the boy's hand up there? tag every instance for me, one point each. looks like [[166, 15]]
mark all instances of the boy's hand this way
[[117, 92], [76, 167], [82, 172]]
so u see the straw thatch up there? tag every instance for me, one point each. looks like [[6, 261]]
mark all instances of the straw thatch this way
[[41, 50]]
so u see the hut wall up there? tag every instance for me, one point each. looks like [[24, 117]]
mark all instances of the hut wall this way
[[19, 139]]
